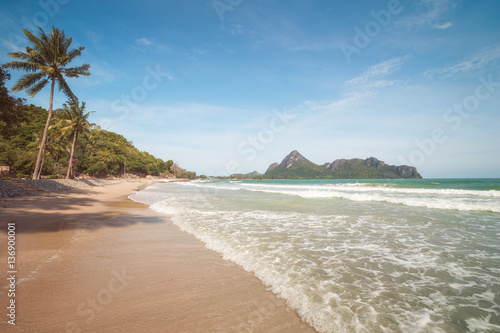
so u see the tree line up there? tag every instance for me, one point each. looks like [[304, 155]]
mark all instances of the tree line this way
[[35, 141]]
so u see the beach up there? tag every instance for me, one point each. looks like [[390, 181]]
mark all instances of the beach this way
[[92, 260]]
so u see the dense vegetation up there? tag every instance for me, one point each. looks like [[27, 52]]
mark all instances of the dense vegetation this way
[[35, 141], [97, 152], [46, 60]]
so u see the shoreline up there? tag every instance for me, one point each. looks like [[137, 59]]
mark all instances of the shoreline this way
[[95, 260], [28, 187]]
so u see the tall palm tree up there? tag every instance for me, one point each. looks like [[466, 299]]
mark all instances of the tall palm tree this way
[[73, 121], [46, 61]]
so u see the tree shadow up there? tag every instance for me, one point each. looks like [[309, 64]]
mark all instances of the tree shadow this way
[[51, 185], [57, 214]]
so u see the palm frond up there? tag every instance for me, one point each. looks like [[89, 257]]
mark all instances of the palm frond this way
[[36, 56], [77, 71], [66, 127], [63, 86], [22, 65], [33, 90], [40, 50], [88, 114], [72, 54], [66, 110], [27, 81], [37, 42], [75, 52], [20, 55], [66, 44], [47, 55]]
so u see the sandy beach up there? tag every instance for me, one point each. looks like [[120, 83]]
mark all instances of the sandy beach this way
[[95, 261]]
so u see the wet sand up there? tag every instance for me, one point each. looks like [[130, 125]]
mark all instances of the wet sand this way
[[96, 261]]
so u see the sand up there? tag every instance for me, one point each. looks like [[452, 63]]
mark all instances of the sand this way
[[95, 261]]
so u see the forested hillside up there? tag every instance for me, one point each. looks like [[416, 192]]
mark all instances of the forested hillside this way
[[97, 152]]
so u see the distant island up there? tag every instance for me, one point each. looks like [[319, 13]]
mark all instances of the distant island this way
[[296, 166]]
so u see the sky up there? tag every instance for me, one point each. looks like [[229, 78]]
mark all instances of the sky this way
[[231, 86]]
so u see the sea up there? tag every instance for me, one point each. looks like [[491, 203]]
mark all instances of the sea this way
[[420, 255]]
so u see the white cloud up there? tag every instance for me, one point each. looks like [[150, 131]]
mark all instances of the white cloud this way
[[100, 73], [144, 41], [144, 44], [360, 91], [10, 46], [14, 40], [351, 100], [93, 36], [477, 61], [236, 29], [379, 70], [444, 25], [427, 13]]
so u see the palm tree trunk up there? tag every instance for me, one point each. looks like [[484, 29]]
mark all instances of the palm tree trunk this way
[[55, 163], [36, 173], [70, 163], [41, 164]]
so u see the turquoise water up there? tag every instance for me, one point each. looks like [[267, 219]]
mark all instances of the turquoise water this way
[[357, 255]]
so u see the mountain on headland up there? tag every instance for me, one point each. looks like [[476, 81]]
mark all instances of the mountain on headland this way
[[296, 166]]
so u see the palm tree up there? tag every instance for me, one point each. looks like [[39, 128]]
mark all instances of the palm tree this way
[[73, 121], [46, 61]]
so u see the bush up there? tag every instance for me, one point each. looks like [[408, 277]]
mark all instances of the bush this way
[[5, 178], [22, 175]]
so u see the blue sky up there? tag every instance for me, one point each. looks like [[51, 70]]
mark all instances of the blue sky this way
[[225, 86]]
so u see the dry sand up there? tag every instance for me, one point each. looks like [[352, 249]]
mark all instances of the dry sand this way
[[95, 261]]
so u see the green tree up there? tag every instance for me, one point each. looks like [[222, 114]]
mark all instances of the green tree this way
[[11, 114], [46, 61], [17, 149], [73, 122]]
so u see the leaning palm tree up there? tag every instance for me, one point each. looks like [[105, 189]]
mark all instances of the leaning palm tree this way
[[46, 61], [73, 121]]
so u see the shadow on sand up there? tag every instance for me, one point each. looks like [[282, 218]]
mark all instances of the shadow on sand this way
[[56, 214]]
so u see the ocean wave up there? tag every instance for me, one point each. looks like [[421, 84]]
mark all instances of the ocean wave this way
[[345, 268], [373, 188], [454, 199], [343, 273]]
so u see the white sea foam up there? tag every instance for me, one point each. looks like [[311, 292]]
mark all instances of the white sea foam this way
[[345, 270], [482, 325], [453, 199], [370, 187]]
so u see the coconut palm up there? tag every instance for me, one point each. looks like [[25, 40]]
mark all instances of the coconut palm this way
[[51, 150], [73, 121], [46, 61]]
